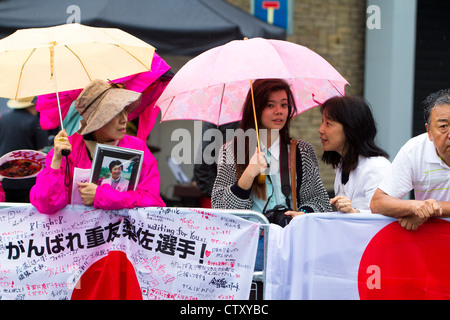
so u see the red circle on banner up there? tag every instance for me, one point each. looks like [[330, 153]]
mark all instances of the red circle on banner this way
[[110, 278], [402, 264]]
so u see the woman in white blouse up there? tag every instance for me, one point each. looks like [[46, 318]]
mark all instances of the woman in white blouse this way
[[348, 133]]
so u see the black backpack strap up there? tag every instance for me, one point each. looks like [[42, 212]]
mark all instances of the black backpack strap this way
[[294, 174], [284, 173]]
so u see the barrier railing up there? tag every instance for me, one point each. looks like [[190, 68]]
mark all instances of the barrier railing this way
[[4, 205], [258, 276]]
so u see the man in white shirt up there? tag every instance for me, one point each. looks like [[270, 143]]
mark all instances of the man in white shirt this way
[[422, 165]]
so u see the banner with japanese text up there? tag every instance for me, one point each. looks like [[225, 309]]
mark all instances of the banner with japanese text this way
[[142, 253]]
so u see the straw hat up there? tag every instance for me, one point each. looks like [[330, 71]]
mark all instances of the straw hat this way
[[100, 102], [21, 103]]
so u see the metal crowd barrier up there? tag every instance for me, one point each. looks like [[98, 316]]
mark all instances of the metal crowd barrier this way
[[4, 205], [258, 276]]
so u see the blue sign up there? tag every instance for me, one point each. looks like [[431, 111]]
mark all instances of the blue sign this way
[[276, 12]]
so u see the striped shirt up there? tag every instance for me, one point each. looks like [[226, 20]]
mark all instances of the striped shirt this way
[[418, 167]]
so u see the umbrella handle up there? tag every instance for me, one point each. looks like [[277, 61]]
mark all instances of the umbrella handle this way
[[261, 177], [63, 152], [254, 115], [52, 71]]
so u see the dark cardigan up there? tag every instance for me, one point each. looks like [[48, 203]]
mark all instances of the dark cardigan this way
[[311, 194]]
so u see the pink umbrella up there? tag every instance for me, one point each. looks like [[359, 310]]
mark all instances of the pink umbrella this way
[[213, 86], [150, 83]]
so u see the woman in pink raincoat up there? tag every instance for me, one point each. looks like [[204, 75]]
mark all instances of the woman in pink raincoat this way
[[104, 108]]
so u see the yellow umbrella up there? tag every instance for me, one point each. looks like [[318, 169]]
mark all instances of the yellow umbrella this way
[[46, 60]]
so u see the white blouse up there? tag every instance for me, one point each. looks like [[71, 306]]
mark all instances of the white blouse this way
[[362, 182]]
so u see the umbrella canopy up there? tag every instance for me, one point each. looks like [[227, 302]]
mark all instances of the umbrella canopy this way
[[149, 83], [213, 86], [45, 60]]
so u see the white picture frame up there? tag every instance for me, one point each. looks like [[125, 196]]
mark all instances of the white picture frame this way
[[130, 160]]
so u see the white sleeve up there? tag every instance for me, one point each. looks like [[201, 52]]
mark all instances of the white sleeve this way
[[398, 181], [375, 170]]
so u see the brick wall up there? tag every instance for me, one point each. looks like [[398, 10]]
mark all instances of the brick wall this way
[[335, 29]]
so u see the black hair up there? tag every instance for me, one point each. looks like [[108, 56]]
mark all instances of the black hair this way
[[114, 163], [435, 99], [360, 130]]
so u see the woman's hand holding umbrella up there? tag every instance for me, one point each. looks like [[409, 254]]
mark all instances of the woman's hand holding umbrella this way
[[61, 143], [256, 167]]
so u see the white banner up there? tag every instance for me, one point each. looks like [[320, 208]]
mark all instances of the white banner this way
[[357, 256], [142, 253]]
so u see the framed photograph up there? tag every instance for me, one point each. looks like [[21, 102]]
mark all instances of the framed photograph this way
[[119, 167]]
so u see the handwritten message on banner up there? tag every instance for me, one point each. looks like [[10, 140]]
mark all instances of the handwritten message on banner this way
[[141, 253]]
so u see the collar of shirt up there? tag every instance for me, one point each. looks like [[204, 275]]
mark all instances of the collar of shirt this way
[[272, 157], [431, 155], [274, 150]]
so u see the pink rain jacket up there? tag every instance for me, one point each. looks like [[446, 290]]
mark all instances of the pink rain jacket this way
[[2, 194], [50, 195]]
